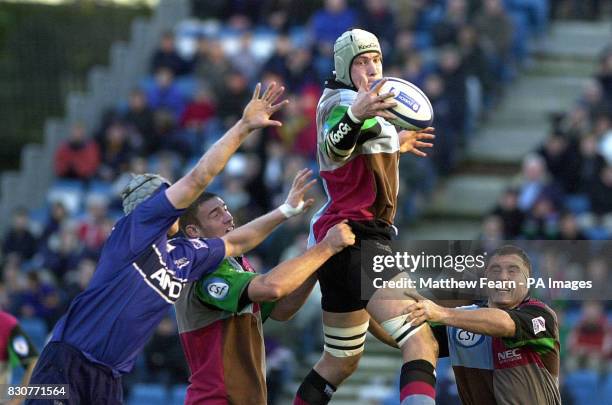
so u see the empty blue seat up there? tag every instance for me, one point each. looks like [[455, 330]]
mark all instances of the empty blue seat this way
[[148, 394], [178, 394], [582, 384], [577, 203], [36, 329]]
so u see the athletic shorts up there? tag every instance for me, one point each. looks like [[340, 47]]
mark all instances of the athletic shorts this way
[[344, 286], [90, 383]]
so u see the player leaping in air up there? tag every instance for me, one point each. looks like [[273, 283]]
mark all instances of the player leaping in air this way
[[140, 273], [358, 156]]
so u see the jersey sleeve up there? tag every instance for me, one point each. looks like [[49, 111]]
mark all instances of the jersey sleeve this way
[[140, 228], [342, 134], [266, 309], [20, 348], [195, 257], [225, 288], [536, 326]]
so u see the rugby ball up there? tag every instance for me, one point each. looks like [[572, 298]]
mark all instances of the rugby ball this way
[[413, 110]]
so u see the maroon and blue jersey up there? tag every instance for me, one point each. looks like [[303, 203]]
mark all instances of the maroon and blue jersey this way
[[139, 276]]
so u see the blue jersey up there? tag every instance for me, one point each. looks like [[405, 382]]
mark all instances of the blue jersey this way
[[139, 275]]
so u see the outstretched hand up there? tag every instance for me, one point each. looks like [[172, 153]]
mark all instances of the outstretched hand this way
[[369, 103], [301, 184], [411, 141], [258, 111]]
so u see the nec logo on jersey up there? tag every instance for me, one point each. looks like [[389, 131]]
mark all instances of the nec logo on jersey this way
[[509, 355], [217, 288], [337, 136], [407, 100], [467, 339]]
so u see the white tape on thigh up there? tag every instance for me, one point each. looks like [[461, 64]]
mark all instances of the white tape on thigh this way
[[345, 342], [400, 329]]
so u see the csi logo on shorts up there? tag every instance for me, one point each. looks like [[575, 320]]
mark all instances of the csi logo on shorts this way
[[217, 288], [466, 338]]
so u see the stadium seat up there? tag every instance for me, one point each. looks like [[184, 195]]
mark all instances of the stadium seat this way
[[36, 329], [577, 203], [68, 192], [177, 394], [582, 384], [148, 394], [597, 233]]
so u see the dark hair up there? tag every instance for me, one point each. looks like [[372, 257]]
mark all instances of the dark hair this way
[[190, 216], [507, 250]]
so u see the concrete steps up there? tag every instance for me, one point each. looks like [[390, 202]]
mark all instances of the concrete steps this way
[[562, 65]]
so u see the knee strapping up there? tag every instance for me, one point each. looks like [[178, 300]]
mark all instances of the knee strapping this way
[[345, 342], [400, 329]]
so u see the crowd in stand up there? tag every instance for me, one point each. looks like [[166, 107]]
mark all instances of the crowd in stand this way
[[462, 53]]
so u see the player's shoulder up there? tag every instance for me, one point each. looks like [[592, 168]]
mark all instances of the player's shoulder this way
[[8, 319], [185, 242], [537, 307]]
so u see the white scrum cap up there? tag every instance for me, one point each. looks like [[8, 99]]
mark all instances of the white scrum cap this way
[[349, 45]]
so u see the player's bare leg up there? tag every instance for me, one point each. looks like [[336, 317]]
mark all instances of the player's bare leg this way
[[344, 342], [418, 345]]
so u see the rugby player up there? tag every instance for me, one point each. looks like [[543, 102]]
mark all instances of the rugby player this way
[[358, 155], [220, 316], [16, 349], [505, 351], [141, 274]]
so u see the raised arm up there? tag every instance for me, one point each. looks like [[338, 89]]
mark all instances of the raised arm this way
[[290, 274], [256, 115], [248, 236]]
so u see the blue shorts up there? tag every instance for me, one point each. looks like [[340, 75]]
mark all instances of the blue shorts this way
[[90, 383]]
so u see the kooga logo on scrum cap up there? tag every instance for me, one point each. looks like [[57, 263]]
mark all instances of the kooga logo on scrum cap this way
[[367, 46]]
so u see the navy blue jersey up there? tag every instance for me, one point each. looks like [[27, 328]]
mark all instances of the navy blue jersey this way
[[139, 275]]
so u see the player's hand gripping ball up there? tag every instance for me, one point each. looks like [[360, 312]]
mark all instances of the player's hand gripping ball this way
[[413, 110]]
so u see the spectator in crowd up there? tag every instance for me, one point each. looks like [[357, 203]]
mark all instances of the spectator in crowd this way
[[62, 251], [535, 184], [590, 342], [19, 239], [165, 94], [376, 16], [58, 216], [508, 211], [78, 157], [601, 192], [38, 299], [139, 119], [198, 114], [166, 56], [93, 230], [446, 31], [542, 220], [560, 161], [116, 152], [496, 30], [234, 94], [211, 64], [569, 228], [164, 355], [330, 22]]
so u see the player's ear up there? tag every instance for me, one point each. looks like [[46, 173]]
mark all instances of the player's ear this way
[[192, 231]]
